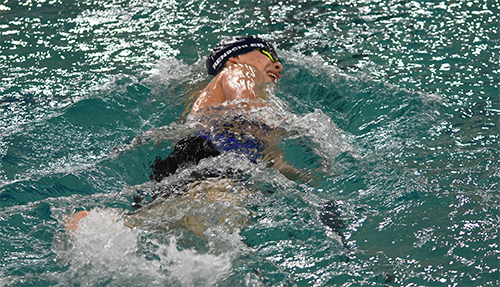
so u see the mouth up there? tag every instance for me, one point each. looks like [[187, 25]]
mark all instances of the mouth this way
[[273, 76]]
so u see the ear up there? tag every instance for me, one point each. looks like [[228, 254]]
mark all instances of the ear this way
[[233, 60]]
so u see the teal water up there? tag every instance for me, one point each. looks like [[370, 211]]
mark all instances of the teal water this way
[[393, 106]]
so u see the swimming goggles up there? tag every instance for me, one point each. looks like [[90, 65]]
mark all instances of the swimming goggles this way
[[270, 54]]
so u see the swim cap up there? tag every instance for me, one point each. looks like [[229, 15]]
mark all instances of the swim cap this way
[[234, 46]]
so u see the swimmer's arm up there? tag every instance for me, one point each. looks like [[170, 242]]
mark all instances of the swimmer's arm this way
[[275, 159], [274, 156]]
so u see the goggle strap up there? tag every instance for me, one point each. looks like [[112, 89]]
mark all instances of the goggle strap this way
[[268, 54]]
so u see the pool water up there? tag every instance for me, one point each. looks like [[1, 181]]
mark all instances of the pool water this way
[[390, 108]]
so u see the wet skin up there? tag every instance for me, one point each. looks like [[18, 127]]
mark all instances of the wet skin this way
[[243, 77]]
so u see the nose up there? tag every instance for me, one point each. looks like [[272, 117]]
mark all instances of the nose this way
[[278, 66]]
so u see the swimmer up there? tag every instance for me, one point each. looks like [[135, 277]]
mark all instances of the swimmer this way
[[241, 66]]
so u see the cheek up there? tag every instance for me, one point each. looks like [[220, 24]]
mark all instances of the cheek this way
[[259, 63]]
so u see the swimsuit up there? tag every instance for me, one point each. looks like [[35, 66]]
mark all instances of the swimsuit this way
[[227, 141], [203, 144], [234, 136]]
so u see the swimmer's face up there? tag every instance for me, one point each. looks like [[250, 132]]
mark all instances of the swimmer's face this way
[[271, 70]]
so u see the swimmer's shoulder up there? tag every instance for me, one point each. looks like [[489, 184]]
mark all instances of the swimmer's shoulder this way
[[241, 70]]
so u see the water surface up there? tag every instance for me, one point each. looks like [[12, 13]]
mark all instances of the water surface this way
[[393, 106]]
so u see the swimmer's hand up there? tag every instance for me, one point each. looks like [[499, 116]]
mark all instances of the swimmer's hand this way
[[72, 221]]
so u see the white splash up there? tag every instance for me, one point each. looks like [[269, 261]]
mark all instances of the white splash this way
[[105, 252]]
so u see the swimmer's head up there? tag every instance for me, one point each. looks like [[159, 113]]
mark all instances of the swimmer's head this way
[[235, 46]]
